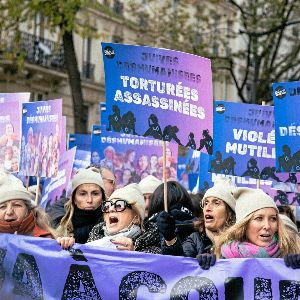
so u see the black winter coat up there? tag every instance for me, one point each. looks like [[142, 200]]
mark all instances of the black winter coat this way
[[196, 243]]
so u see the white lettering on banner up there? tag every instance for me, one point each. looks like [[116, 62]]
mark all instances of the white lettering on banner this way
[[252, 150], [241, 180], [254, 136], [42, 119], [163, 103], [45, 109], [131, 141], [291, 130]]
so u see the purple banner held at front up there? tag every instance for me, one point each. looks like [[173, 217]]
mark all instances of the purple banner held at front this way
[[158, 93], [90, 272]]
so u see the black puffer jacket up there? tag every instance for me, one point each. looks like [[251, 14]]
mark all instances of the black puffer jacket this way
[[196, 243], [148, 241]]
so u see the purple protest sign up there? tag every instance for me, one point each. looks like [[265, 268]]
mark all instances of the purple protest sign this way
[[62, 133], [81, 161], [158, 93], [56, 187], [10, 136], [132, 157], [40, 147], [244, 143], [97, 273], [12, 97]]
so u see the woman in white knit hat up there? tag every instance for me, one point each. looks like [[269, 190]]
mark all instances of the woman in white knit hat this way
[[148, 185], [18, 212], [83, 209], [123, 227], [218, 206], [258, 232]]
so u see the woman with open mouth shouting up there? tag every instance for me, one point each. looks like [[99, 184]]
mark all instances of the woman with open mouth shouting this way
[[258, 232], [218, 206], [123, 227]]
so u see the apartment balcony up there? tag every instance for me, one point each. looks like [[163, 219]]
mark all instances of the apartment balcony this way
[[36, 50], [42, 52]]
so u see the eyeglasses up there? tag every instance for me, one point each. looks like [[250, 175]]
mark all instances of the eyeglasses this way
[[215, 203], [119, 205]]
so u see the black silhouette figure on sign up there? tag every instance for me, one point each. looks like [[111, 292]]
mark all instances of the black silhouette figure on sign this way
[[269, 172], [128, 123], [154, 129], [228, 166], [285, 161], [252, 169], [114, 120], [191, 143], [292, 178], [206, 142], [170, 133], [216, 164], [282, 198]]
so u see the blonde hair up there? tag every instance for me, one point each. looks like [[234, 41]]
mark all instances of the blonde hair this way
[[288, 242], [65, 227]]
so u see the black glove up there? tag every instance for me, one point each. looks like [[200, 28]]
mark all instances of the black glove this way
[[180, 215], [292, 260], [206, 260], [166, 225]]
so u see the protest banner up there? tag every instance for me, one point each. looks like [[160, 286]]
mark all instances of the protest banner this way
[[131, 157], [159, 93], [56, 187], [10, 136], [244, 143], [286, 98], [90, 272], [81, 141], [12, 97], [63, 134], [41, 138]]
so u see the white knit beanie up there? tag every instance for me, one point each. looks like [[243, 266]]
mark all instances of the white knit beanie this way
[[288, 222], [250, 200], [149, 184], [90, 175], [222, 189], [133, 195], [12, 188]]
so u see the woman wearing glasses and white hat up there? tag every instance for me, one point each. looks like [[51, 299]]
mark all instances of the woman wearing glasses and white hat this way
[[123, 227]]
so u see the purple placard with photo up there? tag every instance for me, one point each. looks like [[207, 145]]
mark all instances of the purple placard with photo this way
[[12, 97], [63, 135], [159, 93], [41, 138], [56, 187], [131, 157], [10, 136]]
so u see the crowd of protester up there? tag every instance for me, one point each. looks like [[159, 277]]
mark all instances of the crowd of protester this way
[[225, 222]]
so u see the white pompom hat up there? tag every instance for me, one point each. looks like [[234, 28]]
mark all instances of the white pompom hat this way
[[149, 184], [90, 175], [250, 200], [222, 189], [12, 188], [133, 195]]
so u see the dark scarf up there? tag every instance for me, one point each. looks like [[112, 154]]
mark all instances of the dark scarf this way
[[83, 221], [24, 227]]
